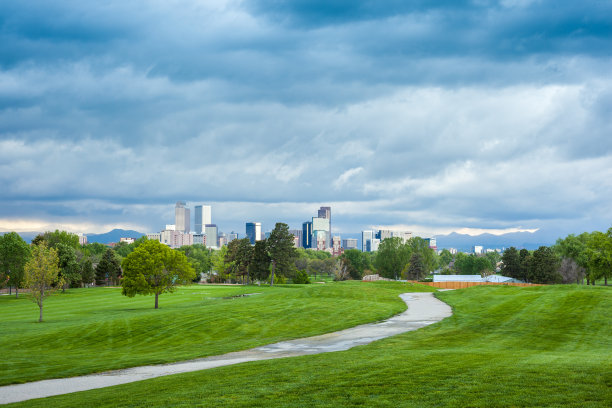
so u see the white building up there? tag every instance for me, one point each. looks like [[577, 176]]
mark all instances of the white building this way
[[202, 216], [366, 240], [182, 217], [349, 243]]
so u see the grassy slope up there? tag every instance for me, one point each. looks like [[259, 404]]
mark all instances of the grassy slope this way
[[90, 330], [504, 346]]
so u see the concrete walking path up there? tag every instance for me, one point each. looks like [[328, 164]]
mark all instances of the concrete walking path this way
[[423, 309]]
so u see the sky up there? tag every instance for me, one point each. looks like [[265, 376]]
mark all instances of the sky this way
[[433, 116]]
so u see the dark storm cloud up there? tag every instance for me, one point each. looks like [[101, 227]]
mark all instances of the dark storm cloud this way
[[480, 113]]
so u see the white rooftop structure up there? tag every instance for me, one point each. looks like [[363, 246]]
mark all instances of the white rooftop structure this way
[[472, 278]]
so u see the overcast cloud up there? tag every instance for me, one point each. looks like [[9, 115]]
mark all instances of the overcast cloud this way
[[434, 116]]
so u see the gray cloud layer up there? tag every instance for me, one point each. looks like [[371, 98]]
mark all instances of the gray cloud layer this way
[[457, 114]]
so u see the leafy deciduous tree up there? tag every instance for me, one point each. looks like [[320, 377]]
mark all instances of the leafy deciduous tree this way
[[154, 268], [14, 253], [42, 274]]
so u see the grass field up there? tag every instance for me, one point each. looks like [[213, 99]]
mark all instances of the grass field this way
[[504, 346], [97, 329]]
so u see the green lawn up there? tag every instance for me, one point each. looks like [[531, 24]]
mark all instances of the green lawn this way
[[503, 347], [97, 329]]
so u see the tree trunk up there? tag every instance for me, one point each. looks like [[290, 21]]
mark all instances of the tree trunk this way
[[272, 276], [156, 301], [10, 292], [16, 292], [40, 315]]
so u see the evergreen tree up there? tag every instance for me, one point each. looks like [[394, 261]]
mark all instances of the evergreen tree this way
[[416, 267], [260, 265], [544, 266], [511, 264], [108, 270], [282, 251], [87, 272]]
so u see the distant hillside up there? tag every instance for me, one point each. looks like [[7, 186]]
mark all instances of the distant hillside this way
[[526, 240], [113, 236]]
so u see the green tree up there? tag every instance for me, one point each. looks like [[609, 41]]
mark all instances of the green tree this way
[[599, 255], [61, 237], [14, 253], [392, 257], [482, 266], [358, 262], [464, 264], [511, 263], [199, 257], [239, 255], [88, 274], [544, 266], [42, 275], [428, 255], [445, 258], [108, 269], [525, 260], [70, 270], [95, 250], [154, 268], [219, 264], [301, 277], [416, 268], [282, 251], [259, 269]]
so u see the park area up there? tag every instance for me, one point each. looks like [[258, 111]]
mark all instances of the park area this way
[[503, 346]]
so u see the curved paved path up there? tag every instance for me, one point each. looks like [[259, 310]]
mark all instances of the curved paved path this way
[[423, 309]]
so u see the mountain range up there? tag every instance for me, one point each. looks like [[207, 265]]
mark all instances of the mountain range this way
[[462, 242]]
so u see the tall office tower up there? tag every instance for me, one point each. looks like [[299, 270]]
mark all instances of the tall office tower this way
[[366, 240], [232, 236], [321, 230], [307, 234], [210, 230], [349, 243], [297, 233], [374, 243], [202, 217], [253, 231], [325, 212], [182, 217]]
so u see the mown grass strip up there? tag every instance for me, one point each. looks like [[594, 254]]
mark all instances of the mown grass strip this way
[[92, 330], [503, 347]]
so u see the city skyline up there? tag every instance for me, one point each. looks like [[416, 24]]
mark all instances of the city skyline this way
[[431, 117]]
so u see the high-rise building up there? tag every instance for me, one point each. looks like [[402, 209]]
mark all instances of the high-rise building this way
[[336, 248], [210, 230], [349, 243], [182, 217], [374, 243], [297, 233], [253, 231], [321, 230], [325, 212], [307, 234], [366, 240], [202, 216], [232, 236], [431, 242]]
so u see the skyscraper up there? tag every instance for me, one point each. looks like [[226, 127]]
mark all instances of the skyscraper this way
[[182, 217], [253, 231], [210, 230], [307, 234], [202, 216], [366, 240], [325, 212], [321, 231]]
